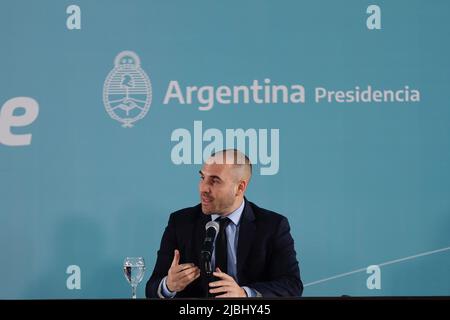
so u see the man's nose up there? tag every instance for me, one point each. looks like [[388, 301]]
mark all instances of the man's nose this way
[[204, 187]]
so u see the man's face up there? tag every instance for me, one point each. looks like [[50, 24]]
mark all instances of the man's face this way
[[218, 188]]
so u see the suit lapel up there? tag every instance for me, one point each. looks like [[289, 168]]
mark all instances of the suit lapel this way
[[198, 238], [199, 234], [247, 231]]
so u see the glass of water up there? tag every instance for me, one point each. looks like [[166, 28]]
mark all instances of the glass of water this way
[[134, 269]]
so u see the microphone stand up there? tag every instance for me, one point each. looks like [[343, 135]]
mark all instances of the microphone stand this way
[[212, 228], [207, 269]]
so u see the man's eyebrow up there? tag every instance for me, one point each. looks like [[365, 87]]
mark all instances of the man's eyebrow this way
[[214, 177]]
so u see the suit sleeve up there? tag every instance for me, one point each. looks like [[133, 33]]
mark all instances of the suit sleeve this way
[[283, 270], [164, 259]]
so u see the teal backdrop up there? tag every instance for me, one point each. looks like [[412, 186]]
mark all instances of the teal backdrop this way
[[362, 183]]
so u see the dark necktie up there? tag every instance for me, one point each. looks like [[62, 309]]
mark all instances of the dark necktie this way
[[221, 245]]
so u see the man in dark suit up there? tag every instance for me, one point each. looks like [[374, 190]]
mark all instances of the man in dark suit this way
[[254, 252]]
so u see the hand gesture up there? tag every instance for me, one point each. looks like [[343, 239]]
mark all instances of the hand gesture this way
[[181, 275]]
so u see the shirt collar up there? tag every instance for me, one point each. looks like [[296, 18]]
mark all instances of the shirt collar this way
[[235, 216]]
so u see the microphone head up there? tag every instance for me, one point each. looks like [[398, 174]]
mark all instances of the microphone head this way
[[212, 229], [212, 224]]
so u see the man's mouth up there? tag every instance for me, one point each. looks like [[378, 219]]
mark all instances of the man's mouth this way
[[206, 199]]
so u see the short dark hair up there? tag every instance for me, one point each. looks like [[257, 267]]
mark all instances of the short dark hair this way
[[236, 154]]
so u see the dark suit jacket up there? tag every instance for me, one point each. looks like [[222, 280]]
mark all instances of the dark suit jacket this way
[[266, 258]]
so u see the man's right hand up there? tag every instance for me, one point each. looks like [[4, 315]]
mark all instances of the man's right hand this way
[[180, 275]]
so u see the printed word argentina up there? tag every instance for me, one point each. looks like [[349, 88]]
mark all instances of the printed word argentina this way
[[261, 145], [255, 93]]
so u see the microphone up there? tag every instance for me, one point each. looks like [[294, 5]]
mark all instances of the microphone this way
[[212, 228]]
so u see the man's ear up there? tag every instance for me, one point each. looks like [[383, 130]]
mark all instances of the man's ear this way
[[242, 186]]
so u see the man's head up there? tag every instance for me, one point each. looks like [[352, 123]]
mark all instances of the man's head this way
[[223, 181]]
